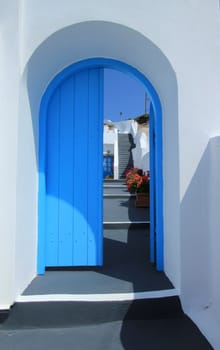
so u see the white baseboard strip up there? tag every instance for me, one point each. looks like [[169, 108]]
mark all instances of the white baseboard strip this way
[[97, 297]]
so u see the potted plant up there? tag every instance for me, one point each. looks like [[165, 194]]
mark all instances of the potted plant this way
[[139, 183], [132, 177]]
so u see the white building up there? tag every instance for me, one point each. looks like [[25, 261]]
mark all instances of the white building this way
[[140, 134], [175, 44]]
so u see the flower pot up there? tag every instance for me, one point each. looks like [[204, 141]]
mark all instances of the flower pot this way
[[142, 200]]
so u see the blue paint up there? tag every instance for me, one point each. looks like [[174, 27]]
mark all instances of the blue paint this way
[[96, 244], [159, 189], [80, 167], [52, 180], [107, 166], [156, 189], [152, 185], [42, 189], [70, 181], [95, 165], [66, 173]]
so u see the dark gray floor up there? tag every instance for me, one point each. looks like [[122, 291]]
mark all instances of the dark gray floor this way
[[152, 324], [169, 334], [126, 269], [142, 324], [105, 336], [123, 209]]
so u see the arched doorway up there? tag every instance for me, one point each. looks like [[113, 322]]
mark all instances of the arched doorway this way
[[86, 77]]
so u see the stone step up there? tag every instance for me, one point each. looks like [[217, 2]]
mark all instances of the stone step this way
[[177, 332], [126, 224], [73, 314], [122, 209], [109, 181]]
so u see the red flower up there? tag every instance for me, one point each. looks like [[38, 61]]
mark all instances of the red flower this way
[[136, 182]]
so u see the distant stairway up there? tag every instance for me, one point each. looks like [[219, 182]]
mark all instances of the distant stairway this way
[[125, 145]]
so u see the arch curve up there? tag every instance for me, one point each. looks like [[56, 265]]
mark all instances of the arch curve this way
[[92, 39], [156, 167]]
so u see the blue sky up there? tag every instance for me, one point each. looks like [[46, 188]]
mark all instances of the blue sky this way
[[122, 93]]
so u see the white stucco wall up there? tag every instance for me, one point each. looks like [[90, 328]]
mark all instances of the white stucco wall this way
[[214, 146], [9, 96], [141, 153], [176, 45], [26, 193], [109, 136], [207, 316]]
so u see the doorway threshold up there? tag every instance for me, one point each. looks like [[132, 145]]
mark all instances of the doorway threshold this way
[[98, 297]]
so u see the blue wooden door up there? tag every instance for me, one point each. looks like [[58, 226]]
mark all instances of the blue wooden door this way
[[107, 166], [73, 171], [156, 192]]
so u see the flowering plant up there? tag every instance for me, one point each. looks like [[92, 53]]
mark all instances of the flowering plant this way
[[137, 181]]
